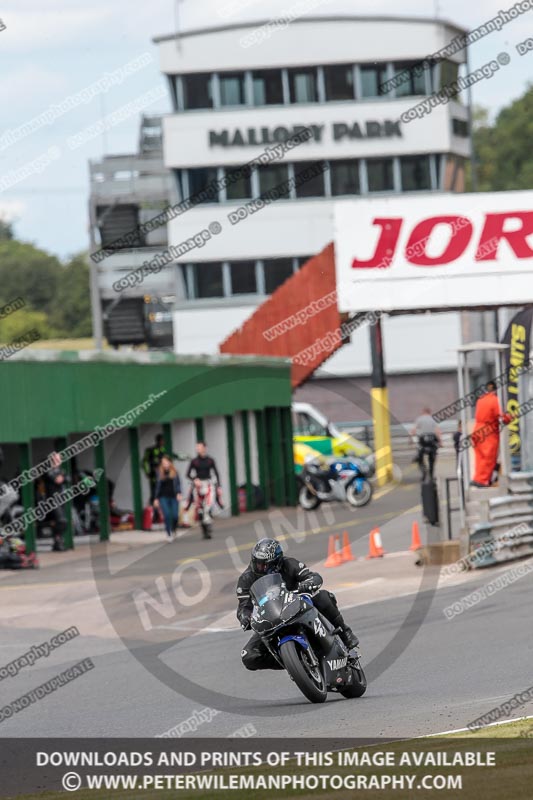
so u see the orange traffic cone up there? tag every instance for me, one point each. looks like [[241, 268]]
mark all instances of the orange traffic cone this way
[[416, 544], [375, 549], [346, 551], [334, 558]]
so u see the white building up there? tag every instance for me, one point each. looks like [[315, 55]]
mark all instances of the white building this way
[[233, 99]]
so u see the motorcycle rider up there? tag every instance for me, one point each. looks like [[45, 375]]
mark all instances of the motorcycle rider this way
[[203, 468], [267, 557], [319, 472], [429, 440]]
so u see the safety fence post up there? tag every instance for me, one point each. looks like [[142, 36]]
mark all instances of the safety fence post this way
[[135, 464], [290, 477], [230, 438], [199, 426], [26, 494], [68, 537], [103, 495], [250, 499], [264, 481]]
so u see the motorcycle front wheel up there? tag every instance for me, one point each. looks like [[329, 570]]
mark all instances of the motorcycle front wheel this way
[[307, 499], [359, 499], [307, 677], [357, 687]]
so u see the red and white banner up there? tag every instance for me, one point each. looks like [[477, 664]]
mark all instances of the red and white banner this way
[[434, 251]]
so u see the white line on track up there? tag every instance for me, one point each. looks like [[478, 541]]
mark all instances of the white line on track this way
[[467, 730]]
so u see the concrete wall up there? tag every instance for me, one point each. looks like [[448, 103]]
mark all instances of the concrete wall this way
[[348, 400], [240, 466], [216, 440], [254, 455]]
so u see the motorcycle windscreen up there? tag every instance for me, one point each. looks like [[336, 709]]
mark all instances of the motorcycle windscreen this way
[[269, 593]]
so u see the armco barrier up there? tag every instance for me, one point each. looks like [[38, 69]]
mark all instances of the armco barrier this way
[[508, 533]]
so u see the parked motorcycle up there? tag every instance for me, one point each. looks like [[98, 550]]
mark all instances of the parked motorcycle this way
[[10, 507], [13, 553], [304, 642], [343, 479]]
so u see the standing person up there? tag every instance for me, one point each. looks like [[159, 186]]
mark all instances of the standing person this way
[[486, 436], [203, 468], [457, 439], [167, 494], [55, 480], [429, 439], [152, 457]]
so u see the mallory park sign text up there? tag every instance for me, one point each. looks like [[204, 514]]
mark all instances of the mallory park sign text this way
[[340, 131]]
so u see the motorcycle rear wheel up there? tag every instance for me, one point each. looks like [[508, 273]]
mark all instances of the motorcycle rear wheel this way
[[295, 662], [307, 499], [357, 687], [359, 499]]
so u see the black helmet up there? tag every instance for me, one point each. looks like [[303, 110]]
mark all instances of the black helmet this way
[[267, 556]]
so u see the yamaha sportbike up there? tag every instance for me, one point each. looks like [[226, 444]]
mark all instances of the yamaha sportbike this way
[[304, 642], [346, 479]]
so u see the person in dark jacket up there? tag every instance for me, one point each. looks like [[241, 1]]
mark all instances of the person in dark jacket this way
[[203, 468], [151, 459], [168, 494], [457, 439], [55, 480], [267, 557]]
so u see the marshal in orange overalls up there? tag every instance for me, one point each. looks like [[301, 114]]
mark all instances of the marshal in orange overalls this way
[[486, 436]]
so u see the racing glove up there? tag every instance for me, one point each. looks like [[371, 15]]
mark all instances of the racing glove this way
[[308, 587], [244, 619]]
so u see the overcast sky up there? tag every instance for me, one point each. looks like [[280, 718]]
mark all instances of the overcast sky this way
[[51, 49]]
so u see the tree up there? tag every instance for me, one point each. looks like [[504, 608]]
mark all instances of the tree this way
[[503, 150], [6, 230], [23, 321], [71, 309], [30, 273]]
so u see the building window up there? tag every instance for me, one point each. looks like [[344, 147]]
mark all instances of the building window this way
[[198, 91], [301, 260], [180, 176], [459, 127], [416, 176], [411, 78], [241, 187], [438, 169], [204, 179], [449, 73], [372, 77], [303, 85], [309, 176], [274, 176], [338, 79], [232, 89], [184, 269], [344, 177], [208, 280], [243, 280], [380, 175], [268, 87], [277, 270]]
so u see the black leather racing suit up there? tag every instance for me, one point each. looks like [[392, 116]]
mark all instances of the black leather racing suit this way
[[294, 573]]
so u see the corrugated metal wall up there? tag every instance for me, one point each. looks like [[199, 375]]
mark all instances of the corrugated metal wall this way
[[311, 335], [61, 397]]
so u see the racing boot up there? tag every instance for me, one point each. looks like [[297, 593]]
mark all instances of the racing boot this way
[[348, 637], [345, 632]]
